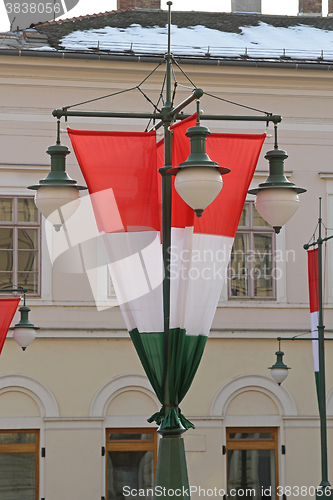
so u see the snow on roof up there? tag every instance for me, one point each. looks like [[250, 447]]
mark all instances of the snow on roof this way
[[220, 36], [263, 41]]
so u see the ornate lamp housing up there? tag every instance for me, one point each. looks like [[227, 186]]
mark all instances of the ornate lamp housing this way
[[279, 371], [24, 331], [277, 198], [57, 196], [198, 179]]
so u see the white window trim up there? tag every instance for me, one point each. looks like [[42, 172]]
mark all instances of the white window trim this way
[[30, 174]]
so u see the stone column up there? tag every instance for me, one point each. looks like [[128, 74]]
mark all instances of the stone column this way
[[139, 4], [246, 6], [310, 7], [330, 7]]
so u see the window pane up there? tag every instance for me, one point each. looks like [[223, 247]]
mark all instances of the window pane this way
[[244, 219], [6, 260], [27, 261], [239, 264], [6, 238], [263, 287], [134, 469], [252, 470], [263, 266], [6, 280], [132, 437], [29, 281], [240, 286], [6, 209], [27, 210], [250, 435], [263, 244], [241, 243], [17, 476], [28, 239], [17, 437], [258, 221]]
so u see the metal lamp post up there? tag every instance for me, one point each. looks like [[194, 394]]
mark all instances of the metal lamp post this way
[[279, 370], [197, 169], [325, 486]]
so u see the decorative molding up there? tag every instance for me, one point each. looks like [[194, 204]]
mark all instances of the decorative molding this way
[[116, 386], [39, 392], [243, 383]]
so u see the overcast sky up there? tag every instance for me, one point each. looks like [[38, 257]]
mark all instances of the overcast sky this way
[[284, 7]]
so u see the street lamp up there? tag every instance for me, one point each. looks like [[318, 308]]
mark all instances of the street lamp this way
[[198, 181], [277, 198], [279, 371], [325, 486], [24, 331], [57, 196]]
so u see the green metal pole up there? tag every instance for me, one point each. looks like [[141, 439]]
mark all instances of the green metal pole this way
[[324, 485], [171, 472]]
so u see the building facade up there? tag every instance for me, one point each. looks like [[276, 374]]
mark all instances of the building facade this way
[[77, 400]]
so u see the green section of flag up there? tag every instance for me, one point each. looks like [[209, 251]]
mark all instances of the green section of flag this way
[[184, 355]]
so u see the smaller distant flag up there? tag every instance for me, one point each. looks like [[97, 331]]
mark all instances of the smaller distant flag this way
[[7, 310], [314, 307]]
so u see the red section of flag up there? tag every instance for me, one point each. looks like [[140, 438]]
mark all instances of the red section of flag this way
[[128, 162], [7, 310], [125, 162], [313, 280]]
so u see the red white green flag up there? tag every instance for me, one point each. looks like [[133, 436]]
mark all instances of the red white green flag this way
[[7, 310], [314, 307], [121, 171]]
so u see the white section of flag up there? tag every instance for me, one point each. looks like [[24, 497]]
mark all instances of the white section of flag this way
[[314, 318], [198, 269], [197, 273]]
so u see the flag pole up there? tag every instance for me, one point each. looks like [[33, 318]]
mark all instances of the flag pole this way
[[171, 469], [324, 487]]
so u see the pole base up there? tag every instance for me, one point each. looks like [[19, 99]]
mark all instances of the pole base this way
[[171, 480]]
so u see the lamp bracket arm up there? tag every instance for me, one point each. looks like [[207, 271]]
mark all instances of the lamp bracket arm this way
[[59, 113], [196, 94], [319, 241]]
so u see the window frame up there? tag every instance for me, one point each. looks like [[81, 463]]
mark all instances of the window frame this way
[[15, 224], [254, 444], [252, 230], [130, 444], [24, 448]]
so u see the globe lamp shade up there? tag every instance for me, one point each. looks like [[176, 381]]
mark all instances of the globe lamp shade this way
[[277, 206], [57, 203], [279, 374], [198, 186], [24, 336]]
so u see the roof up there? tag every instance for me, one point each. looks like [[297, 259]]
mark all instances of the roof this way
[[199, 36]]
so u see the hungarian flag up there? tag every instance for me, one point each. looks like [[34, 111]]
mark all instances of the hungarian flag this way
[[7, 310], [121, 171], [314, 308]]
